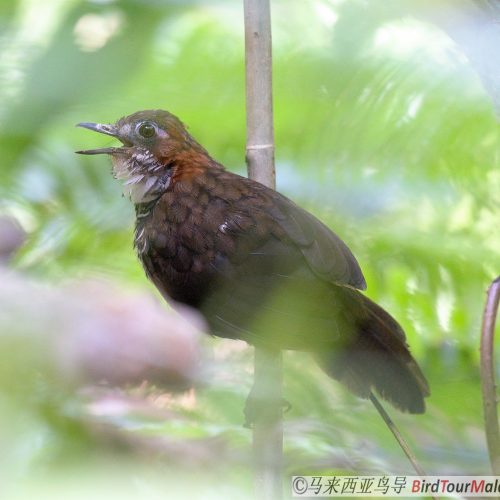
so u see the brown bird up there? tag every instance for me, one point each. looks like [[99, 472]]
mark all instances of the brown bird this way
[[259, 267]]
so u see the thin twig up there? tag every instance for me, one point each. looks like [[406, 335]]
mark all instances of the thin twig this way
[[268, 369], [399, 437], [488, 375]]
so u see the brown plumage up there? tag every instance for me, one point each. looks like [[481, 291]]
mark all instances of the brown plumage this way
[[257, 266]]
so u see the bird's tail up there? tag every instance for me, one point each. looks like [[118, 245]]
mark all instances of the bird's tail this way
[[378, 358]]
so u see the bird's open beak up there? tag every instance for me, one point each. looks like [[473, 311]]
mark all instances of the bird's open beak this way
[[102, 129]]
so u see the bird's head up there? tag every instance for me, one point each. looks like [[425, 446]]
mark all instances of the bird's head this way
[[153, 143]]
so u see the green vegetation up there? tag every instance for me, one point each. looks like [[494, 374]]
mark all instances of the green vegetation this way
[[383, 129]]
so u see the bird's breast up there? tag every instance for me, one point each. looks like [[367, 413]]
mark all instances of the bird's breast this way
[[181, 242]]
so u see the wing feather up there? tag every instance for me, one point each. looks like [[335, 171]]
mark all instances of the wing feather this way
[[326, 254]]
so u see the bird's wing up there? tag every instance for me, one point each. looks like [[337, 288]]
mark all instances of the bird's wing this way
[[326, 254]]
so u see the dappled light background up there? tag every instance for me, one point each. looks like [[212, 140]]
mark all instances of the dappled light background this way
[[386, 128]]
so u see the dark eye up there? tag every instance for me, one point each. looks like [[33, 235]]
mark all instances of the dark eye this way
[[147, 130]]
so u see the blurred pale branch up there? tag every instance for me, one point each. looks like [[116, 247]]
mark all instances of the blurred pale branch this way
[[489, 388], [92, 331]]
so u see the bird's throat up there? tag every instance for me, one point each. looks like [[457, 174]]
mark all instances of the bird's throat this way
[[143, 178]]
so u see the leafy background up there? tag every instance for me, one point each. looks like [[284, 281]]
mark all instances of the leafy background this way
[[385, 129]]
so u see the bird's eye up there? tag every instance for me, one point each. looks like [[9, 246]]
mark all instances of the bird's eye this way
[[147, 130]]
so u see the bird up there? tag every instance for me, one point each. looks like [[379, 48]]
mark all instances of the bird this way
[[255, 264]]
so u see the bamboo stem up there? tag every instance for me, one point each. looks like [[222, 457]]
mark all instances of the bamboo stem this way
[[268, 427], [259, 99], [268, 369], [488, 375]]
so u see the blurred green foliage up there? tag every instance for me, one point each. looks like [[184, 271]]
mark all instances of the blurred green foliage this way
[[383, 129]]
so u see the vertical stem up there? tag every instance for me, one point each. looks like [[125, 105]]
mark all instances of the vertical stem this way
[[488, 375], [268, 429], [268, 372], [259, 97]]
